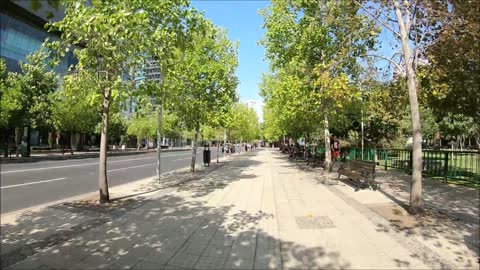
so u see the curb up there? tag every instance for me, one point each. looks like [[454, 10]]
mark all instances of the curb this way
[[8, 217]]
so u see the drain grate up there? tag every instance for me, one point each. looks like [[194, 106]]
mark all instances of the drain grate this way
[[314, 222]]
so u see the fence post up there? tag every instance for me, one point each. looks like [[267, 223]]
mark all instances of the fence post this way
[[385, 156], [445, 166]]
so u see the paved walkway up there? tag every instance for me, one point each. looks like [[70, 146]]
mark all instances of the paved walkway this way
[[256, 211]]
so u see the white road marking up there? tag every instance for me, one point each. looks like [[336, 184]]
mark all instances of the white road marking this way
[[33, 183], [182, 159], [80, 165], [143, 165], [110, 158]]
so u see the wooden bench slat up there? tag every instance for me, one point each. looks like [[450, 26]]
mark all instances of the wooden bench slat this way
[[360, 171]]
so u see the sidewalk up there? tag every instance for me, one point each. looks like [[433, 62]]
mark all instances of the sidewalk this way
[[255, 211]]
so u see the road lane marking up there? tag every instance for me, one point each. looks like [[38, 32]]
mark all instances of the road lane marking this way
[[110, 157], [143, 165], [80, 165], [33, 183], [182, 159]]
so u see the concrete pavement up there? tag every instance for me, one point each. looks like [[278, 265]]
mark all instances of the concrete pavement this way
[[256, 211]]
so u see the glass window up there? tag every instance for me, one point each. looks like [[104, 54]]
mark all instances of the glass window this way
[[19, 39]]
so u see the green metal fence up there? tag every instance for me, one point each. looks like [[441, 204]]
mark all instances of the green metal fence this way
[[316, 150], [463, 166]]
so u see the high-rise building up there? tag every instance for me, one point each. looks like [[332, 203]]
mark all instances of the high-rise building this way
[[257, 105], [152, 71], [22, 31]]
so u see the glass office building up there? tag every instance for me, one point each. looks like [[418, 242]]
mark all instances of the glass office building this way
[[22, 31]]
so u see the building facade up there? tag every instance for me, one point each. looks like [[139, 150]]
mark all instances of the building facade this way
[[22, 31]]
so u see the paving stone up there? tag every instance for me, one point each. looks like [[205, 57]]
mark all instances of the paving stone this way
[[124, 262], [217, 251], [193, 248], [211, 263], [159, 257], [221, 238], [96, 261], [147, 265], [173, 267], [29, 263], [184, 260]]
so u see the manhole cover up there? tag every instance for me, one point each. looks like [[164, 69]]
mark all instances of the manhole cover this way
[[314, 222]]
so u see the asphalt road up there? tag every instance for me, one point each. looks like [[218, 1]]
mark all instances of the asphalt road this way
[[25, 185]]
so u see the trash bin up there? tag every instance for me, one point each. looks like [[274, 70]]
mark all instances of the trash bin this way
[[206, 155]]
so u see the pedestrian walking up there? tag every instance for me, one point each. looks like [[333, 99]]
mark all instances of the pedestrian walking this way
[[335, 148]]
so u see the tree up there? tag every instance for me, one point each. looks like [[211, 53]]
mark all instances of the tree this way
[[451, 79], [205, 89], [74, 108], [25, 100], [381, 110], [142, 127], [244, 125], [313, 47], [414, 33], [171, 25], [171, 125], [271, 127], [108, 39]]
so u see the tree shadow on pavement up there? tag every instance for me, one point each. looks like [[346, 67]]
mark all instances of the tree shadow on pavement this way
[[449, 224], [165, 230], [458, 201]]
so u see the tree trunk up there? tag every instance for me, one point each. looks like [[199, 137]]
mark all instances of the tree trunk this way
[[72, 139], [224, 143], [416, 190], [18, 138], [50, 140], [327, 165], [159, 136], [194, 151], [102, 167], [28, 129]]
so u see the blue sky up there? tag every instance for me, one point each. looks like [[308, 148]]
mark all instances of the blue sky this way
[[243, 24]]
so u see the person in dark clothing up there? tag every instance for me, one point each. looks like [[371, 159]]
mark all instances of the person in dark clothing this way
[[335, 148]]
